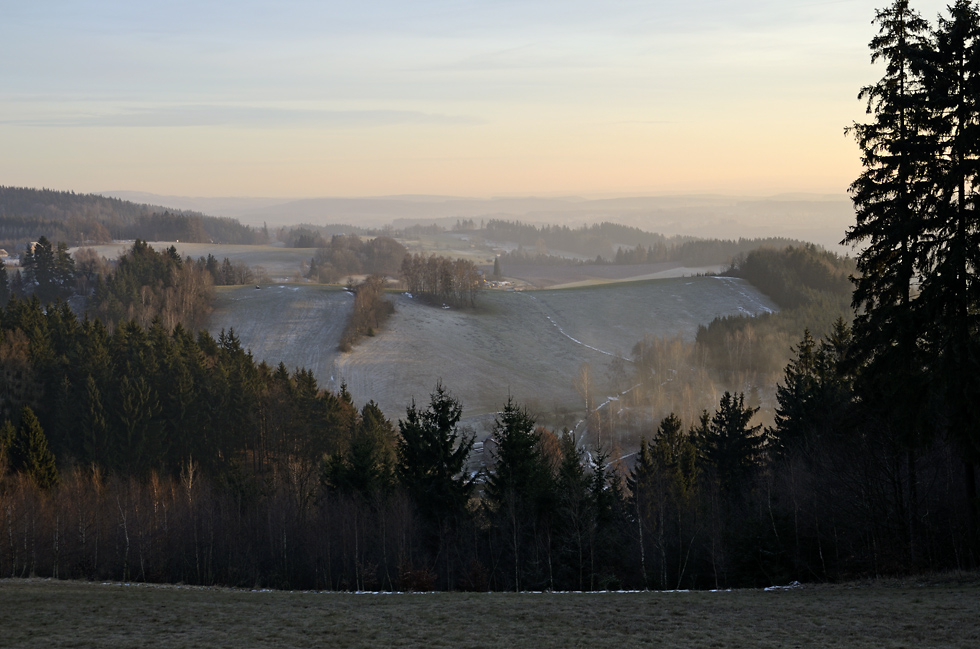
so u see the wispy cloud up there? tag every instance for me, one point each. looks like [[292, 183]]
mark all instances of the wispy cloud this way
[[245, 116]]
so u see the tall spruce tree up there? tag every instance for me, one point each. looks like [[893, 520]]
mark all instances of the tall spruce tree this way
[[892, 199], [892, 192], [432, 454], [519, 490], [950, 292]]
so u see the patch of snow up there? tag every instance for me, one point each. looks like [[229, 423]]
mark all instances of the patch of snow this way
[[789, 586]]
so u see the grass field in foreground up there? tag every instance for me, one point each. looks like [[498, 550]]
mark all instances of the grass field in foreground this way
[[36, 613]]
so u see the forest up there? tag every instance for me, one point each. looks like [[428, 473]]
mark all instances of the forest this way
[[27, 214], [604, 243]]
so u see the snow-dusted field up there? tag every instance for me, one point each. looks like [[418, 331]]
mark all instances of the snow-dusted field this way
[[526, 344]]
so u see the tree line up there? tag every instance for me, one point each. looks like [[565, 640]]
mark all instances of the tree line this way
[[712, 503], [453, 282], [370, 311], [346, 255], [603, 244]]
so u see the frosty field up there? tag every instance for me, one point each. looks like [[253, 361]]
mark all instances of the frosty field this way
[[44, 613], [527, 344]]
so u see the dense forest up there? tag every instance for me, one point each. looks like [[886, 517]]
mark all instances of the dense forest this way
[[27, 214]]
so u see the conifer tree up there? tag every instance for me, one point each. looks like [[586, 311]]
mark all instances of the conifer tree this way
[[889, 196], [29, 452], [519, 488], [893, 198], [431, 455], [730, 445], [950, 290]]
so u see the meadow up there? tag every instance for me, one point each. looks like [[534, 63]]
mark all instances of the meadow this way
[[938, 612]]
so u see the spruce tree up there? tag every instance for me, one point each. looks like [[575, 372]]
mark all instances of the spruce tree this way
[[519, 488], [29, 452], [730, 445], [889, 196], [893, 198], [432, 453], [950, 290]]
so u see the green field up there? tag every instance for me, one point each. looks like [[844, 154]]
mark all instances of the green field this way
[[44, 613], [526, 344]]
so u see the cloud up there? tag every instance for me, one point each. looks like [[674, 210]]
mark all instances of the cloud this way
[[246, 116]]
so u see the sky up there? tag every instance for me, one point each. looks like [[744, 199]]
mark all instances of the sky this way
[[455, 97]]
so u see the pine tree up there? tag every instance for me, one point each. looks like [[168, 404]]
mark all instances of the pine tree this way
[[519, 489], [950, 290], [431, 456], [893, 198], [29, 452], [890, 195], [732, 447]]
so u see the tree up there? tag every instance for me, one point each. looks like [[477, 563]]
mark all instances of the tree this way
[[29, 451], [729, 445], [519, 489], [950, 291], [364, 469], [891, 192], [39, 264], [893, 197], [432, 455], [815, 396]]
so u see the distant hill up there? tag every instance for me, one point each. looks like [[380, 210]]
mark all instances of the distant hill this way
[[26, 214], [819, 218]]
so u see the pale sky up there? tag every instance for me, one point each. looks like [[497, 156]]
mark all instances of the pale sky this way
[[455, 97]]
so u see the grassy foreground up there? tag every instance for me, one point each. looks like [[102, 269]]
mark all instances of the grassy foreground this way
[[937, 613]]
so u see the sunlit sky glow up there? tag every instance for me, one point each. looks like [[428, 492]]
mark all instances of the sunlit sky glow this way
[[449, 97]]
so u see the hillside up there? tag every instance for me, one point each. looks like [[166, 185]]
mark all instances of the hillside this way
[[528, 344], [27, 214]]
